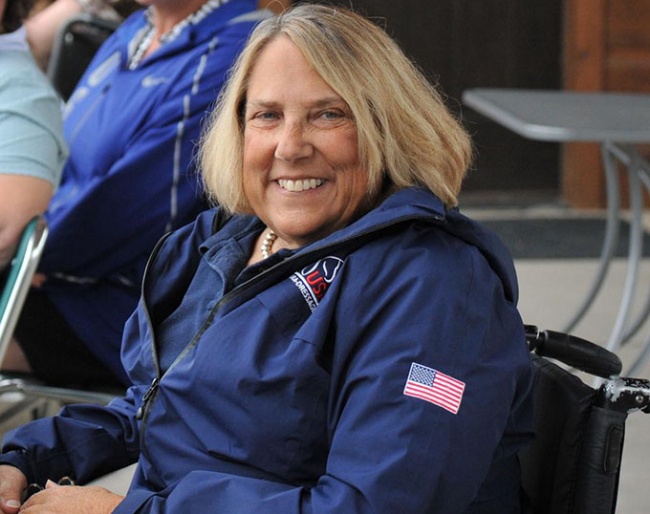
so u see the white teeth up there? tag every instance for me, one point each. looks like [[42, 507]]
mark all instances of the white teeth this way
[[300, 185]]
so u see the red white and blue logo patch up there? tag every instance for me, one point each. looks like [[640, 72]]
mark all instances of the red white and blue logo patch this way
[[314, 280], [432, 386]]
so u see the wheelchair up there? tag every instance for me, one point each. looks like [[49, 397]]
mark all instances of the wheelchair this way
[[574, 465]]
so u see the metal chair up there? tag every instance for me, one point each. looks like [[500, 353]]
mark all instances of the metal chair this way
[[74, 47], [34, 394], [19, 276]]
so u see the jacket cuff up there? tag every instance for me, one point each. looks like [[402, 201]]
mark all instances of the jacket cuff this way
[[19, 460]]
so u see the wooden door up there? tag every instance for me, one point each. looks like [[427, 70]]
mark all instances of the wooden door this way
[[607, 48]]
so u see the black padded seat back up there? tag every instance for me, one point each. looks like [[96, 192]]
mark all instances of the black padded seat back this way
[[75, 45], [573, 466]]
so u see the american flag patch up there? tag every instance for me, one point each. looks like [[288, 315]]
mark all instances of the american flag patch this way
[[435, 387]]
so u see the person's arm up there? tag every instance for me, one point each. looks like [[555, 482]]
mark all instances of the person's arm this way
[[32, 151], [21, 198], [43, 27], [82, 442]]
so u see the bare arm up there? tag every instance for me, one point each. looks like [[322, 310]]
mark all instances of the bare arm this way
[[43, 27], [21, 198]]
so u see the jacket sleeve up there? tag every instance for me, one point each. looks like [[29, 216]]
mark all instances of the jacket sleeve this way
[[391, 452], [82, 442]]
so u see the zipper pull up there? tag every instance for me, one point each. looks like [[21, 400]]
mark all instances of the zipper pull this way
[[146, 397]]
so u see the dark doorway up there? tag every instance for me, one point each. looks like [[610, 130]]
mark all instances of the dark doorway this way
[[462, 44]]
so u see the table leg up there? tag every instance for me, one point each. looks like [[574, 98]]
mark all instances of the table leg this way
[[633, 164], [641, 360], [644, 175], [611, 235]]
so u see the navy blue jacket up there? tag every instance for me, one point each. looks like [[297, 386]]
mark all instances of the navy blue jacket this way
[[293, 392]]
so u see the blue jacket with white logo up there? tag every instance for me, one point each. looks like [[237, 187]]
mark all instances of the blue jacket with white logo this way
[[380, 370], [131, 176]]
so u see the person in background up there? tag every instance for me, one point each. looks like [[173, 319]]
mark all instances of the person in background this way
[[132, 124], [335, 337], [32, 146]]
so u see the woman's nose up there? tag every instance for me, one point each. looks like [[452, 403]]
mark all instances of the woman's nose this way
[[292, 143]]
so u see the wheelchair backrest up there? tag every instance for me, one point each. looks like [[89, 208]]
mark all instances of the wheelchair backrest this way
[[574, 464]]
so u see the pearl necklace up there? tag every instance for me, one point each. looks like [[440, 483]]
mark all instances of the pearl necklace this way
[[269, 239]]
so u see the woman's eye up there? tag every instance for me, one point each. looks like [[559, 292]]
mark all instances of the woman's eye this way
[[263, 119], [267, 115], [331, 115]]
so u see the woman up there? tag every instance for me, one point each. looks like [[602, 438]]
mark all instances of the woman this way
[[32, 148], [336, 337]]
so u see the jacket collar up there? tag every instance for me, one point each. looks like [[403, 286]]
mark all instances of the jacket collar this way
[[403, 206]]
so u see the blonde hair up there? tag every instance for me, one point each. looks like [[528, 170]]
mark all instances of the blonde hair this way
[[406, 133]]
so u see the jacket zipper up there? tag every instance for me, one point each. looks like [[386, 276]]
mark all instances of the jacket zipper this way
[[150, 393], [146, 397]]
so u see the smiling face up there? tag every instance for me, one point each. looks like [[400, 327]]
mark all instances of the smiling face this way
[[301, 170]]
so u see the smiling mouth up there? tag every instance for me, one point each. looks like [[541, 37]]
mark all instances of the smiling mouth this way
[[300, 185]]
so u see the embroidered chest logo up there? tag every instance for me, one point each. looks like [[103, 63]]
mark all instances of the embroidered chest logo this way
[[314, 280]]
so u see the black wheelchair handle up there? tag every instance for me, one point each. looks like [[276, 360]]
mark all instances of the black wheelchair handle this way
[[573, 351]]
